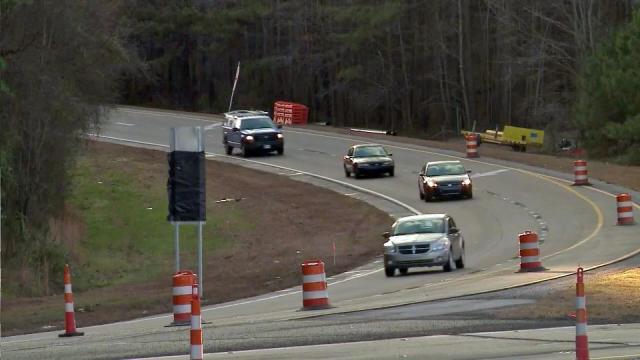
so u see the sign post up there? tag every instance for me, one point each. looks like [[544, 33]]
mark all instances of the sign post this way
[[235, 82], [186, 187]]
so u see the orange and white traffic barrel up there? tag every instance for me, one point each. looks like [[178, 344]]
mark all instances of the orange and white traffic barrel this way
[[529, 252], [472, 145], [195, 335], [582, 341], [182, 293], [580, 173], [625, 209], [314, 285], [69, 314]]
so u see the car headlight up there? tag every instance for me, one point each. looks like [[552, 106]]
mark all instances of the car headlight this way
[[440, 245], [431, 183], [466, 182], [280, 136], [248, 138], [389, 248]]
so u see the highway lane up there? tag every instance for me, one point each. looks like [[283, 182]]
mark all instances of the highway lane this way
[[504, 204]]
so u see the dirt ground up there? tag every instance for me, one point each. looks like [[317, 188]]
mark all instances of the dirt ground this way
[[627, 176], [292, 221]]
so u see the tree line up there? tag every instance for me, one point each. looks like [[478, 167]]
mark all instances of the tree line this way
[[426, 68]]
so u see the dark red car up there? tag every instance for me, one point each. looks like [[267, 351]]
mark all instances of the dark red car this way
[[438, 179]]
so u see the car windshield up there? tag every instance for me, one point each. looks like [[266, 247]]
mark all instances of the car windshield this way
[[369, 151], [445, 169], [256, 123], [423, 226]]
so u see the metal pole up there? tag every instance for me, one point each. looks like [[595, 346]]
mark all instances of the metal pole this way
[[200, 280], [176, 233]]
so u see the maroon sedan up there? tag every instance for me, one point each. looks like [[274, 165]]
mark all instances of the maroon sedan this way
[[439, 179]]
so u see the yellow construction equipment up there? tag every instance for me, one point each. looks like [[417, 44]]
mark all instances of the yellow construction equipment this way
[[516, 137]]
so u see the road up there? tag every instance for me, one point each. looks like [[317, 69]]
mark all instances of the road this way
[[577, 226]]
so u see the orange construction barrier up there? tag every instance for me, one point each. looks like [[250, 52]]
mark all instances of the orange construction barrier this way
[[582, 341], [625, 209], [288, 113], [195, 335], [580, 173], [69, 314], [529, 252], [472, 145], [314, 285], [182, 293]]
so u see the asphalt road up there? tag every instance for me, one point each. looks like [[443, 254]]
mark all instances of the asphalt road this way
[[577, 226]]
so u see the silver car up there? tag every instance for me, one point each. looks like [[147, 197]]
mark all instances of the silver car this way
[[423, 240]]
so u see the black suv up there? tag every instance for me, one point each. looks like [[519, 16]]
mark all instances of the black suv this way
[[251, 132]]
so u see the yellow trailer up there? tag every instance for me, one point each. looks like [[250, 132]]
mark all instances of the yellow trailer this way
[[516, 137]]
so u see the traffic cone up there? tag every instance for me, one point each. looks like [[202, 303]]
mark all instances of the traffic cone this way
[[69, 315], [582, 341], [195, 335]]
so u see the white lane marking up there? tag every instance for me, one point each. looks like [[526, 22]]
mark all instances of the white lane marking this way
[[490, 173], [125, 124]]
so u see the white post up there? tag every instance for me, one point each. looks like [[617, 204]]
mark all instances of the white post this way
[[176, 234], [200, 279], [233, 90]]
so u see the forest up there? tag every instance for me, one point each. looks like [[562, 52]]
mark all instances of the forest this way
[[425, 68]]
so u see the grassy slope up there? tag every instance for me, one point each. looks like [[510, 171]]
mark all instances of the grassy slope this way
[[120, 245]]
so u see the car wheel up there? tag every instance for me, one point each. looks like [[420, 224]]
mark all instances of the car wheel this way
[[280, 151], [346, 172], [421, 195], [389, 271], [244, 152], [403, 271], [470, 195], [356, 174], [450, 265], [460, 262], [392, 172], [228, 149]]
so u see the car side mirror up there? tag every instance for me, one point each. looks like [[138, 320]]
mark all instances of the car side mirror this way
[[386, 235], [453, 231], [468, 171], [390, 154], [279, 126], [235, 129], [421, 173]]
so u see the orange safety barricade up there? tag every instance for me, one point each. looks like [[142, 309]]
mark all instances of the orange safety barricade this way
[[580, 173], [625, 209], [314, 285], [529, 252], [182, 288], [472, 145]]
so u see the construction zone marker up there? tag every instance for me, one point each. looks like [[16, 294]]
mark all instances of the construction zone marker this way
[[529, 252], [582, 341], [314, 286], [580, 173], [195, 334], [625, 209], [69, 314]]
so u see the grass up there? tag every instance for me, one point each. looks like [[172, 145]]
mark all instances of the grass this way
[[128, 238]]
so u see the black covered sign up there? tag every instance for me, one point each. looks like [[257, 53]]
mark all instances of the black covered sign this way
[[186, 186]]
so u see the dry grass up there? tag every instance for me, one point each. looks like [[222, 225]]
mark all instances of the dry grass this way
[[610, 298]]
